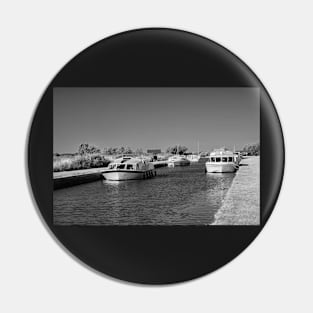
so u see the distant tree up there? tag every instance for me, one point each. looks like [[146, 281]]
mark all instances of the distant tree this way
[[114, 150], [177, 149], [82, 149], [109, 151], [252, 149], [128, 150], [85, 148], [121, 150], [139, 151], [124, 150]]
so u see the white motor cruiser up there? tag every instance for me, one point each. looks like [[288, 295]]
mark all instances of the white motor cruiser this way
[[177, 160], [129, 168], [222, 161]]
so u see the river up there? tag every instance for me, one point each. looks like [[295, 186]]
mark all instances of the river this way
[[176, 196]]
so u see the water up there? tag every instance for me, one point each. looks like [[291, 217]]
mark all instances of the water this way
[[176, 196]]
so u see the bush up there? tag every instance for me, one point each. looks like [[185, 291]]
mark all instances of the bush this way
[[176, 150], [86, 149], [252, 149], [78, 162]]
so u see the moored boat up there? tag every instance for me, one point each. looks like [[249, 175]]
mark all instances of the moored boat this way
[[193, 157], [177, 160], [129, 168], [222, 161]]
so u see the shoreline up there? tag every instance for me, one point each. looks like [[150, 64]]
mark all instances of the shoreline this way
[[77, 177], [241, 205]]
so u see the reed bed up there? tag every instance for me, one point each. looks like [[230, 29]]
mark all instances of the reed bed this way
[[78, 162]]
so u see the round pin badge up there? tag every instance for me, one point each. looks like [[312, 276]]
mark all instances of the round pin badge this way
[[155, 156]]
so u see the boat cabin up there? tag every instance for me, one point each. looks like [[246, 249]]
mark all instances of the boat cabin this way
[[122, 166], [222, 156], [128, 163], [224, 159]]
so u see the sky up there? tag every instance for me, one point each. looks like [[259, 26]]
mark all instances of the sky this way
[[155, 118]]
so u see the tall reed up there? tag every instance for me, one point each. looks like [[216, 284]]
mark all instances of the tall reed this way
[[78, 162]]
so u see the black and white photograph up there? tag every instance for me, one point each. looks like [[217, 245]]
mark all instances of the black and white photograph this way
[[156, 156], [151, 156]]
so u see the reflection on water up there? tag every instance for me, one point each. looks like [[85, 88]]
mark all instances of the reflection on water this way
[[176, 196]]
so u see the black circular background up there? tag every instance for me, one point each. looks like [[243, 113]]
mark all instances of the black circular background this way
[[155, 58]]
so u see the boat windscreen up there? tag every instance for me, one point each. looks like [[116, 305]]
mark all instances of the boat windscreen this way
[[125, 160]]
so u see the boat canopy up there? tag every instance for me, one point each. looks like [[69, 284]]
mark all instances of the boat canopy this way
[[129, 160]]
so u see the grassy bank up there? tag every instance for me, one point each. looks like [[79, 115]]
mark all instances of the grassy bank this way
[[78, 162]]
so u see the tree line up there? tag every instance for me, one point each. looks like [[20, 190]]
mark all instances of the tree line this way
[[177, 149], [87, 149], [252, 149]]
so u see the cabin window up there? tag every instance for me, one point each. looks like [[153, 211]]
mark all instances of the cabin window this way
[[129, 166], [230, 159], [212, 159], [218, 159], [224, 159], [120, 166], [111, 166]]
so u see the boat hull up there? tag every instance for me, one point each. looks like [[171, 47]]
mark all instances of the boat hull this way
[[220, 168], [128, 175]]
